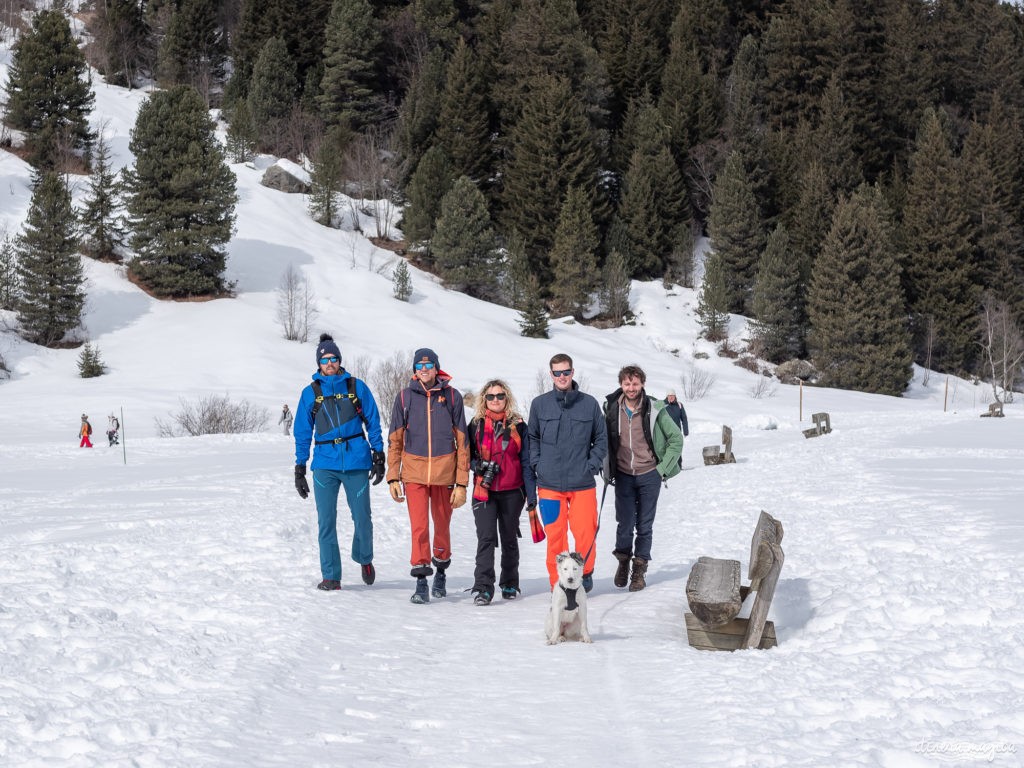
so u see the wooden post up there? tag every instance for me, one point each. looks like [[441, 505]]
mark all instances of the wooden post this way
[[801, 399], [945, 397]]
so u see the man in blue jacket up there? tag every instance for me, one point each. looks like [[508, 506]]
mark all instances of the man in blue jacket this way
[[568, 443], [339, 412]]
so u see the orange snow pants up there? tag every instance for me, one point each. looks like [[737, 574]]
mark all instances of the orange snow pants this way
[[564, 511], [426, 503]]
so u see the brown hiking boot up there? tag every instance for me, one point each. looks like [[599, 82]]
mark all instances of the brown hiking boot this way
[[622, 572], [637, 582]]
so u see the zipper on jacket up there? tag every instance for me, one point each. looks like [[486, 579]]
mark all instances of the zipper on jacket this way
[[430, 440]]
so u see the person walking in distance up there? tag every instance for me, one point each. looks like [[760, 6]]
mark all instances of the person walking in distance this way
[[644, 446], [338, 413], [568, 443], [84, 432], [286, 419], [676, 410], [499, 451], [428, 467]]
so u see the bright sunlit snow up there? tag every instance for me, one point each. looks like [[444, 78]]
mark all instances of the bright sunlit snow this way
[[162, 612]]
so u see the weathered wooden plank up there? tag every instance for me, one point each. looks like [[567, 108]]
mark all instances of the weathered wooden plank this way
[[763, 601], [713, 590], [767, 532], [727, 637], [712, 455], [727, 456]]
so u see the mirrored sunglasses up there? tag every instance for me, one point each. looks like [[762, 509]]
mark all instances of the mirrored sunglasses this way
[[331, 359], [495, 396], [566, 372], [423, 366]]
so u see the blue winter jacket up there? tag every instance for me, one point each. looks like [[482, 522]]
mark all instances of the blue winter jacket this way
[[568, 439], [337, 418]]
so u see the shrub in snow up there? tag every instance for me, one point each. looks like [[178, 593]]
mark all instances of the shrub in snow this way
[[89, 363], [214, 415]]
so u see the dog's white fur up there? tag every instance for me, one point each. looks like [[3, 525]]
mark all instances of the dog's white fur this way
[[563, 624]]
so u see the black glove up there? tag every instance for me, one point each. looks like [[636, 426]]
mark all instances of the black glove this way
[[377, 470], [300, 481]]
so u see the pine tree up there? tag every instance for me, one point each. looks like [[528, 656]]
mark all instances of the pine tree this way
[[940, 263], [193, 52], [533, 317], [401, 281], [430, 183], [463, 126], [574, 255], [49, 269], [777, 306], [713, 301], [544, 40], [49, 95], [552, 148], [858, 336], [419, 111], [615, 287], [654, 207], [737, 233], [242, 133], [8, 274], [102, 223], [836, 144], [273, 92], [464, 244], [327, 174], [90, 364], [181, 197], [348, 90], [689, 99]]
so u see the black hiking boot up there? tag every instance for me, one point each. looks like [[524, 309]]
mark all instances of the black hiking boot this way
[[622, 572], [422, 594], [438, 586], [483, 597], [509, 593], [369, 574], [329, 585]]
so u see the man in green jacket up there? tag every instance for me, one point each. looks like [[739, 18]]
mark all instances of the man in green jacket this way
[[644, 446]]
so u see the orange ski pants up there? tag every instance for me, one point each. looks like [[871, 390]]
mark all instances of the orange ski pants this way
[[426, 503], [564, 511]]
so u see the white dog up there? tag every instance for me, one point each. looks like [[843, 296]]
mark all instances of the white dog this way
[[567, 619]]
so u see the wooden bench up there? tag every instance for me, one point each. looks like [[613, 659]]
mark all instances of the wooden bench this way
[[714, 454], [715, 596], [994, 409], [822, 425]]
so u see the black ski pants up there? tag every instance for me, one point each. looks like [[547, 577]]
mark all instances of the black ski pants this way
[[498, 519]]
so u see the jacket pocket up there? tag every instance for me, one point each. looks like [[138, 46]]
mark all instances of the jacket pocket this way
[[549, 431]]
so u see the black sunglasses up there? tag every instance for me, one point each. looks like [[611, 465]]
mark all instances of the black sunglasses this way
[[495, 396]]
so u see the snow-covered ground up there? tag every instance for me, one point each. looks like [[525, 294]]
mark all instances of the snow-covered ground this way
[[161, 611]]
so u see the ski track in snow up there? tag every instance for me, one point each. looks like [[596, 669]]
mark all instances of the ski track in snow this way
[[162, 613]]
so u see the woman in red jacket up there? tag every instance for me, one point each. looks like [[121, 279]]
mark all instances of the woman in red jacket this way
[[503, 482]]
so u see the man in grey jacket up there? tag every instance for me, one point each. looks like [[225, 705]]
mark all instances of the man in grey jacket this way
[[568, 443]]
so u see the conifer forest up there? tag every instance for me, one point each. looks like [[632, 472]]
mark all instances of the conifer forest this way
[[857, 166]]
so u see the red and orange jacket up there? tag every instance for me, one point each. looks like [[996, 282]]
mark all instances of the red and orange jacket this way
[[427, 442]]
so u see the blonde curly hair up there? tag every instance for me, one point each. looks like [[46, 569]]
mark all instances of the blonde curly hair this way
[[512, 414]]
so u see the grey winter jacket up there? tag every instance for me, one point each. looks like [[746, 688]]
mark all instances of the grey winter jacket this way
[[568, 439]]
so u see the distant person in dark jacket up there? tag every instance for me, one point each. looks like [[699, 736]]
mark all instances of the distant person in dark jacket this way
[[676, 410], [428, 464], [499, 451], [568, 443], [286, 419], [338, 413]]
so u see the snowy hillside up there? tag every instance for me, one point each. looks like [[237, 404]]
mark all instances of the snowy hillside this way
[[162, 612]]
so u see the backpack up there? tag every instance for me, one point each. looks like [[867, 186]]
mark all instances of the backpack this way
[[448, 395], [318, 402], [88, 428]]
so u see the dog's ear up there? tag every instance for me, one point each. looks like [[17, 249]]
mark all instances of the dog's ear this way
[[577, 557], [561, 557]]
